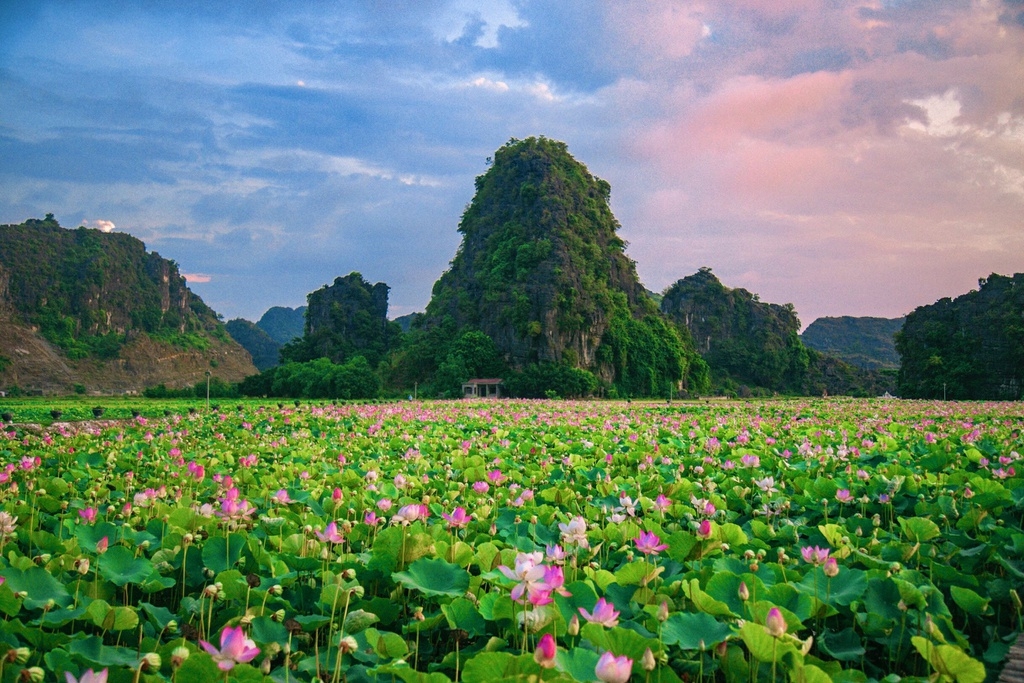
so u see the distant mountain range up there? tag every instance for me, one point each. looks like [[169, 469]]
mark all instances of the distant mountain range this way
[[868, 343]]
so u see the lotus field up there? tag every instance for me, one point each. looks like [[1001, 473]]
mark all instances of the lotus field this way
[[513, 540]]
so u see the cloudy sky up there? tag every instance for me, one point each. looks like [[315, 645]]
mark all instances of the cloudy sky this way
[[849, 157]]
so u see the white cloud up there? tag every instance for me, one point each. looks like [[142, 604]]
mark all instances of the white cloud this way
[[101, 225], [488, 84], [941, 113], [197, 278]]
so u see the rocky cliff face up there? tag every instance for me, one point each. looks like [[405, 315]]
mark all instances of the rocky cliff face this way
[[743, 339], [541, 269], [82, 307], [345, 319], [868, 343]]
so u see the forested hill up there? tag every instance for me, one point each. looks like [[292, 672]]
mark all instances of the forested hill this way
[[543, 274], [970, 347], [868, 343], [89, 295], [753, 347]]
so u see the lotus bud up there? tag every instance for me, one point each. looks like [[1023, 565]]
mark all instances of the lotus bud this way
[[348, 574], [151, 662], [573, 629], [721, 649], [775, 623], [647, 661], [18, 655], [209, 573], [348, 644], [831, 567], [754, 566], [276, 590], [902, 606], [265, 666], [805, 647], [546, 651], [187, 539], [278, 615], [82, 566], [743, 591], [172, 626], [178, 656], [662, 611]]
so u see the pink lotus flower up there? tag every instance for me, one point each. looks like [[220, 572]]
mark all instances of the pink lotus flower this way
[[814, 555], [88, 515], [612, 669], [235, 648], [410, 513], [282, 497], [661, 503], [546, 651], [481, 487], [330, 534], [649, 544], [603, 614], [844, 495], [831, 567], [704, 530], [458, 519], [89, 676]]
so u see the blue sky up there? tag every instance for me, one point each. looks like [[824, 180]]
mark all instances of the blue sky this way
[[851, 158]]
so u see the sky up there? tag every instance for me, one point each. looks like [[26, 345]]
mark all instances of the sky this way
[[849, 157]]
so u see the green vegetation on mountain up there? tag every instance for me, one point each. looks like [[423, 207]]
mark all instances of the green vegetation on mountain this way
[[85, 310], [970, 347], [752, 347], [543, 274], [87, 290], [264, 350], [283, 324], [346, 319], [868, 343]]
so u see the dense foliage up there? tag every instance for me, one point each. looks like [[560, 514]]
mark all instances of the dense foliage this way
[[320, 378], [265, 351], [868, 343], [753, 347], [88, 291], [343, 320], [847, 541], [542, 272], [970, 347]]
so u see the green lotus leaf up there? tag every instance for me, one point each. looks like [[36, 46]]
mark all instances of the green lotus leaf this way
[[359, 620], [434, 577], [919, 529], [763, 646], [578, 663], [688, 630], [491, 667], [39, 584], [463, 615], [265, 630], [158, 616], [386, 644], [92, 651], [409, 675], [619, 641], [112, 618], [221, 554], [969, 601], [120, 566], [950, 661], [845, 645], [89, 535]]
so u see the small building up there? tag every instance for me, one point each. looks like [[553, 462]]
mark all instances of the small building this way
[[482, 388]]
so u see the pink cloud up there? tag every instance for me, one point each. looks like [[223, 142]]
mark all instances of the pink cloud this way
[[197, 278]]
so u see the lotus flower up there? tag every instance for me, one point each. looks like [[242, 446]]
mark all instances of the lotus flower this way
[[330, 534], [545, 652], [235, 648], [89, 676], [603, 614], [612, 669], [649, 544]]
